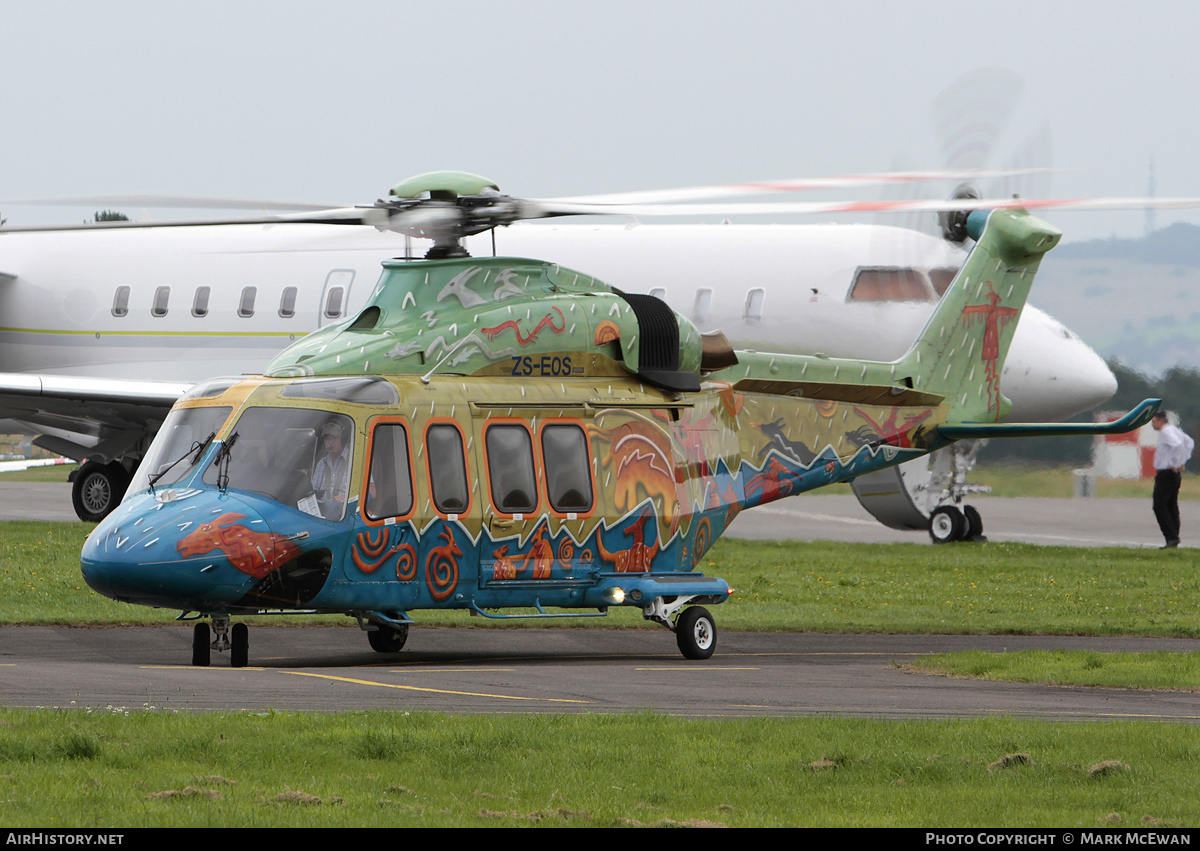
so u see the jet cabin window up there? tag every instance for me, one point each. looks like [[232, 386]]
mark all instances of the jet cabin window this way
[[246, 305], [389, 488], [121, 302], [510, 469], [333, 302], [447, 468], [200, 302], [890, 284], [287, 303], [161, 296]]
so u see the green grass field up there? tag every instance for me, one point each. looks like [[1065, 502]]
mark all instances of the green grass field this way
[[131, 767]]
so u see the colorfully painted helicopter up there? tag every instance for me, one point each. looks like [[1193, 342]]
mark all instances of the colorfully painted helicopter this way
[[503, 433]]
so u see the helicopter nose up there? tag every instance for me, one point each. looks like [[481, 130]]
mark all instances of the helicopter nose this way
[[167, 554], [1051, 374]]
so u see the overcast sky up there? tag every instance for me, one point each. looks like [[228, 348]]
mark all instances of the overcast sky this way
[[335, 102]]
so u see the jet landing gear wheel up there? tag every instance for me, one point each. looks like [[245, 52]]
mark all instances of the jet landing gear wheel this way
[[947, 524], [239, 645], [696, 633], [97, 490], [201, 649], [388, 639]]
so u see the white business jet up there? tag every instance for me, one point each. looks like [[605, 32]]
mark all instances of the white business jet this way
[[104, 328]]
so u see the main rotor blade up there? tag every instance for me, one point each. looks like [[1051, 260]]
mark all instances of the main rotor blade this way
[[168, 201], [848, 181], [340, 216], [818, 207]]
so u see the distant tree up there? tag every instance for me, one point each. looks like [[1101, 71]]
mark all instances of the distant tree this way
[[110, 216]]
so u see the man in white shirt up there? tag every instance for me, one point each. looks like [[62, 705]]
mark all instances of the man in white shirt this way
[[331, 479], [1170, 455]]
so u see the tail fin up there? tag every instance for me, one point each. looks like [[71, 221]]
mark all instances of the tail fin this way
[[961, 352]]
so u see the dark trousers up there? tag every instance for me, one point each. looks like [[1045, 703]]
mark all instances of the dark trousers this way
[[1166, 503]]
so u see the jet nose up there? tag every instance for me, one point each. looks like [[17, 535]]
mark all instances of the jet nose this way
[[1051, 374]]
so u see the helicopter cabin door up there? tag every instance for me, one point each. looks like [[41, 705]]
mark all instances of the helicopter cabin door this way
[[539, 499]]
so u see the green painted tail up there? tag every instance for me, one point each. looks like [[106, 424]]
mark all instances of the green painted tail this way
[[961, 352]]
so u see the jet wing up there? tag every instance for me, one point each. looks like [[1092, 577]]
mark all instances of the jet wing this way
[[82, 417]]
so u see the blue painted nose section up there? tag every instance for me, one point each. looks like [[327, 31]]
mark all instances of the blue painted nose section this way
[[197, 550]]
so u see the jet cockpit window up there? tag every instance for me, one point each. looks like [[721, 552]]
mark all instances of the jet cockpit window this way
[[510, 469], [941, 280], [389, 487], [890, 284], [121, 302], [297, 456], [177, 447], [447, 468], [568, 472]]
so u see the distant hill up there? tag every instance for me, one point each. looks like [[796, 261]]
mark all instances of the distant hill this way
[[1177, 245]]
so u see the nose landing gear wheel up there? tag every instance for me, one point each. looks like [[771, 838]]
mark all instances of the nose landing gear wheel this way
[[696, 633]]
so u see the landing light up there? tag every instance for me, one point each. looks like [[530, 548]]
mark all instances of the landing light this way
[[614, 595]]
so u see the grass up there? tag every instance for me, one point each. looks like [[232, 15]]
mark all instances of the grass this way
[[779, 586], [151, 769], [1174, 671]]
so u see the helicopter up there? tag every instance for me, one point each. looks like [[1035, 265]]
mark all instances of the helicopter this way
[[503, 433]]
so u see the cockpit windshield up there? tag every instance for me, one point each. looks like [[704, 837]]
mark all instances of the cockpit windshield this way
[[178, 446], [297, 456]]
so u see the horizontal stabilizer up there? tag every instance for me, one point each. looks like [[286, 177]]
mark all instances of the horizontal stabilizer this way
[[1135, 419]]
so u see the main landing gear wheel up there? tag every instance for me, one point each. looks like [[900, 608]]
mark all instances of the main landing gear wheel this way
[[388, 639], [239, 645], [201, 648], [696, 633], [98, 489], [974, 523], [947, 524]]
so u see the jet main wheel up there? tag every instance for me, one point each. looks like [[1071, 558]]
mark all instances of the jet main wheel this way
[[696, 633], [388, 639], [201, 648], [947, 524], [974, 523], [97, 490], [239, 645]]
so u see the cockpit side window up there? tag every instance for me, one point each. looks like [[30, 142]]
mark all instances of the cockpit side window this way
[[447, 468], [890, 284], [510, 469], [389, 483]]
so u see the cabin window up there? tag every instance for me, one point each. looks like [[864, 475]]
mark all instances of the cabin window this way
[[246, 304], [941, 279], [753, 310], [447, 468], [510, 469], [287, 303], [389, 487], [702, 308], [889, 284], [161, 296], [568, 471], [121, 302], [200, 302], [333, 302], [659, 292]]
